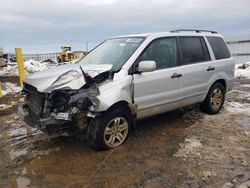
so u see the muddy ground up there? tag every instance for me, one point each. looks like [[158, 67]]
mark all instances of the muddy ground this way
[[183, 148]]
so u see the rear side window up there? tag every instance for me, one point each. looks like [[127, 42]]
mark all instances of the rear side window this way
[[219, 47], [193, 50]]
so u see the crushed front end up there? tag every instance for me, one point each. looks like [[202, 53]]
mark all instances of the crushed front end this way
[[59, 111]]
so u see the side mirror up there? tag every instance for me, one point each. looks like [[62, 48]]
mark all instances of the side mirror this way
[[146, 66]]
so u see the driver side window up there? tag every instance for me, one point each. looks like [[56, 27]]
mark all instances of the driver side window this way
[[163, 52]]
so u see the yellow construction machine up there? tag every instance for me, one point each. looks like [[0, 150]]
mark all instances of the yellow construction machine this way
[[66, 55]]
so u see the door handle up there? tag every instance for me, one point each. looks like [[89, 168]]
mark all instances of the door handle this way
[[176, 75], [210, 68]]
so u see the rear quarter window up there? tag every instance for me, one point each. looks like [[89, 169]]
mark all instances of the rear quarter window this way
[[219, 47]]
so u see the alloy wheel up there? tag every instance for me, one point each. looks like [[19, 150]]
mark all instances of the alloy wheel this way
[[216, 99], [116, 132]]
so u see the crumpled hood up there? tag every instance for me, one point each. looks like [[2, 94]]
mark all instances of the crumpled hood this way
[[64, 77]]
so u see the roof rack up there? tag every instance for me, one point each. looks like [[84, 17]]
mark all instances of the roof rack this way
[[195, 30]]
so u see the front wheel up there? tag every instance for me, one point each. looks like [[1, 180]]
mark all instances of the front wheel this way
[[109, 129], [214, 100]]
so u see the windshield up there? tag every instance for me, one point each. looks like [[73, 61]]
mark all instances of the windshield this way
[[113, 51]]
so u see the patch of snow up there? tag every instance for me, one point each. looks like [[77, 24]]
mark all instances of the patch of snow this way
[[228, 185], [237, 108], [17, 153], [242, 73], [245, 85], [9, 71], [23, 182], [3, 106], [30, 66], [240, 94], [205, 175], [189, 148], [17, 131], [245, 184], [8, 88]]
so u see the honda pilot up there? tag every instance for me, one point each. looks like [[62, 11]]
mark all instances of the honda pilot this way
[[127, 78]]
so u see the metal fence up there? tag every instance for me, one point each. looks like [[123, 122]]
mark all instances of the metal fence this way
[[37, 57], [239, 47], [41, 57], [45, 56]]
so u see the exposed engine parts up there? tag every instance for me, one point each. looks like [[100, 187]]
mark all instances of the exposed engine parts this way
[[61, 107]]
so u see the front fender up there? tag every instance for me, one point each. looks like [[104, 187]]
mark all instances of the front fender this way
[[113, 92]]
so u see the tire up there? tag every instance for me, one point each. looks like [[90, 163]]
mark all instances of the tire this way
[[104, 133], [214, 100]]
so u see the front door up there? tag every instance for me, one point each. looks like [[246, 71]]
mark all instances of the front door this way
[[160, 90]]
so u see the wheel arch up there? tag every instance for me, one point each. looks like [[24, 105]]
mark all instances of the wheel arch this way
[[221, 81], [207, 106], [130, 108], [119, 104]]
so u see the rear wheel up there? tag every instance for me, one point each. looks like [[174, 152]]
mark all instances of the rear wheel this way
[[214, 100], [109, 130]]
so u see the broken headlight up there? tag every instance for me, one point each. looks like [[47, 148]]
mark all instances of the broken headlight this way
[[59, 101], [62, 101]]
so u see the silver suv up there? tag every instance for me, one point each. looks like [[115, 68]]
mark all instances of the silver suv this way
[[127, 78]]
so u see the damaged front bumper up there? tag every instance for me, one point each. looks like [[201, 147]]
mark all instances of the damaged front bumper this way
[[59, 118], [60, 109], [45, 112]]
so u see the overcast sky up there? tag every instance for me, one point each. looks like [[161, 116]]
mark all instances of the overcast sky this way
[[45, 25]]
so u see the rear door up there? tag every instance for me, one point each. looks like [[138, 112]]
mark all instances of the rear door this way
[[160, 90], [223, 62], [197, 68]]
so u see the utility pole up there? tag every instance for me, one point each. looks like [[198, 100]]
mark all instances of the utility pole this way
[[20, 66]]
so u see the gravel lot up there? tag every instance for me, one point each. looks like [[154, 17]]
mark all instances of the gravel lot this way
[[183, 148]]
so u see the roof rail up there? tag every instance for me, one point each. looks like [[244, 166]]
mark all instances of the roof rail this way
[[195, 30]]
